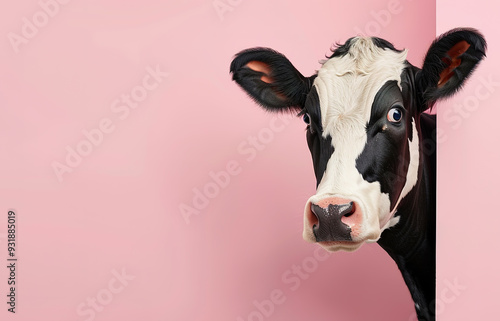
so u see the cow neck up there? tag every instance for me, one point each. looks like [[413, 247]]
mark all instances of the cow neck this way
[[412, 242]]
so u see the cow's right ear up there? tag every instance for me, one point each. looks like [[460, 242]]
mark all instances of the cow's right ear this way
[[270, 79]]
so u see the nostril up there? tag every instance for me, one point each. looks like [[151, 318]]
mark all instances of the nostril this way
[[351, 210], [312, 217]]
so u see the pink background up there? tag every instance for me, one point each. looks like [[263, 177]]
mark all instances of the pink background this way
[[468, 175], [118, 209]]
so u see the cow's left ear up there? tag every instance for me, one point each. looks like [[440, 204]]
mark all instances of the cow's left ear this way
[[450, 60]]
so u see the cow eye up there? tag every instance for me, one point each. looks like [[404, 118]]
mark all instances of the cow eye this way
[[306, 119], [395, 115]]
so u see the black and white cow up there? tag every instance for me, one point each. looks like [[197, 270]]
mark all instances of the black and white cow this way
[[372, 145]]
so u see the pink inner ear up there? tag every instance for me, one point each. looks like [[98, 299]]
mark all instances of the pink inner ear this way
[[453, 61], [262, 67]]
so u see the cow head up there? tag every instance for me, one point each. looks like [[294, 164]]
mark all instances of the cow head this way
[[362, 111]]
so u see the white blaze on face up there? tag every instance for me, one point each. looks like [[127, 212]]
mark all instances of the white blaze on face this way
[[346, 88]]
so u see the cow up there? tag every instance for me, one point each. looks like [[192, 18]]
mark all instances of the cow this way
[[372, 142]]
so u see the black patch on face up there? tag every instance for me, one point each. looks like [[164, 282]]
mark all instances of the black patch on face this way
[[386, 155], [321, 148]]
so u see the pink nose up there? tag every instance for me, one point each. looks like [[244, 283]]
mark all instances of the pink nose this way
[[334, 219]]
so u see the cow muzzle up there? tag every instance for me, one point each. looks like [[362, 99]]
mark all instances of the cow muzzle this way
[[333, 219]]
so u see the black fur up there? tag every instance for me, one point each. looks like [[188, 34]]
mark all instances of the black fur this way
[[428, 78], [384, 44], [378, 161], [412, 242], [289, 90]]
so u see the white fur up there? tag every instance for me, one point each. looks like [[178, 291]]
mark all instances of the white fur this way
[[346, 88]]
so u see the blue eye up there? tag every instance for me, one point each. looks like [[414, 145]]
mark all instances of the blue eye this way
[[395, 115], [306, 119]]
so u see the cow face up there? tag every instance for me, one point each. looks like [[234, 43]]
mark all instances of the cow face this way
[[362, 113], [363, 142]]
